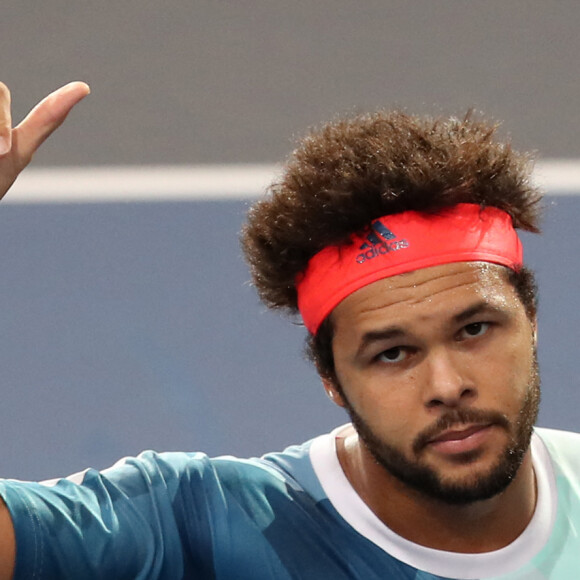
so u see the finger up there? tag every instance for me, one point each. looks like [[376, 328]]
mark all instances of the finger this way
[[47, 116], [5, 120]]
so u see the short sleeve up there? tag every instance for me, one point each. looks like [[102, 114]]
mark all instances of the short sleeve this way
[[119, 523]]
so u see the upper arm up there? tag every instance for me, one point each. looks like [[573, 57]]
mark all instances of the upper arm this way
[[118, 523], [7, 544]]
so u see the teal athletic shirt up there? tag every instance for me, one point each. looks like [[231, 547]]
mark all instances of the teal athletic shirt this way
[[284, 516]]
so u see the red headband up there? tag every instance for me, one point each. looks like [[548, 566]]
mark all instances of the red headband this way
[[404, 242]]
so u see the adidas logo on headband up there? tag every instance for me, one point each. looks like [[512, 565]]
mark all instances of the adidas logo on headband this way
[[379, 242]]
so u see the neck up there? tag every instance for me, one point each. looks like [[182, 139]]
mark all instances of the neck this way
[[477, 527]]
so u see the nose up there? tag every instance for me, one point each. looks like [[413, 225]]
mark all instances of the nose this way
[[447, 382]]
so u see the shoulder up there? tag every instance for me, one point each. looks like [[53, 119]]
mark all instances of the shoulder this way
[[562, 447], [201, 471], [272, 469], [557, 436]]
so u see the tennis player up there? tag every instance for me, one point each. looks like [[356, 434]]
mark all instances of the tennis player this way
[[395, 239]]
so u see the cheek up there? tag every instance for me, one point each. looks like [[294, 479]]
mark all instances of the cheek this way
[[509, 372], [390, 408]]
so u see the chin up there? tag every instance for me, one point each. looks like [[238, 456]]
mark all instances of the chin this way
[[466, 479]]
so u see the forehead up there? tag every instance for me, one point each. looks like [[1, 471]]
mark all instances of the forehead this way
[[427, 293]]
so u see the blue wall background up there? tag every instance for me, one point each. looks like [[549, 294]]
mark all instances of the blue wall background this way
[[133, 326]]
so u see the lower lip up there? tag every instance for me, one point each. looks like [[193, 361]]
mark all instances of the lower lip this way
[[462, 444]]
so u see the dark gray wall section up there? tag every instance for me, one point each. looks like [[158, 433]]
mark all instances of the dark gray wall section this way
[[132, 326], [203, 81]]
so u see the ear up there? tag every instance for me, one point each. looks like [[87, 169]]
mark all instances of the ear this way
[[332, 392], [535, 331]]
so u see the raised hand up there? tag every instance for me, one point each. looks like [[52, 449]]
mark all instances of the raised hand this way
[[18, 144]]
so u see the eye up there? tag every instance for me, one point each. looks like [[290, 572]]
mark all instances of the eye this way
[[393, 355], [475, 329]]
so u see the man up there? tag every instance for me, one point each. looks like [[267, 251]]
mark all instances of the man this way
[[394, 238]]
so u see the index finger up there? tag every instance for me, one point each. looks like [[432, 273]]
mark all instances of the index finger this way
[[5, 120], [46, 117]]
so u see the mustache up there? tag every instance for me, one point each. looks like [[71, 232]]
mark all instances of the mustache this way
[[459, 417]]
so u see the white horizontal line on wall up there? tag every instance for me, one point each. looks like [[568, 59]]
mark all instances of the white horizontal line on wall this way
[[140, 183], [108, 184]]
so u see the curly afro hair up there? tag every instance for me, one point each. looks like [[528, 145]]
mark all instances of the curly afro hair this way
[[352, 171]]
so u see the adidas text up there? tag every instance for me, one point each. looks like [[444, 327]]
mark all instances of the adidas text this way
[[381, 249]]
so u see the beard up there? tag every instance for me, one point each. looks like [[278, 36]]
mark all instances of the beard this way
[[424, 479]]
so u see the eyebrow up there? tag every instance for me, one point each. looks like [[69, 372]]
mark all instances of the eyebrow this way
[[480, 307], [376, 335], [391, 332]]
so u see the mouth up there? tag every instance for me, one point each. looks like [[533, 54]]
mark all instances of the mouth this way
[[461, 439]]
